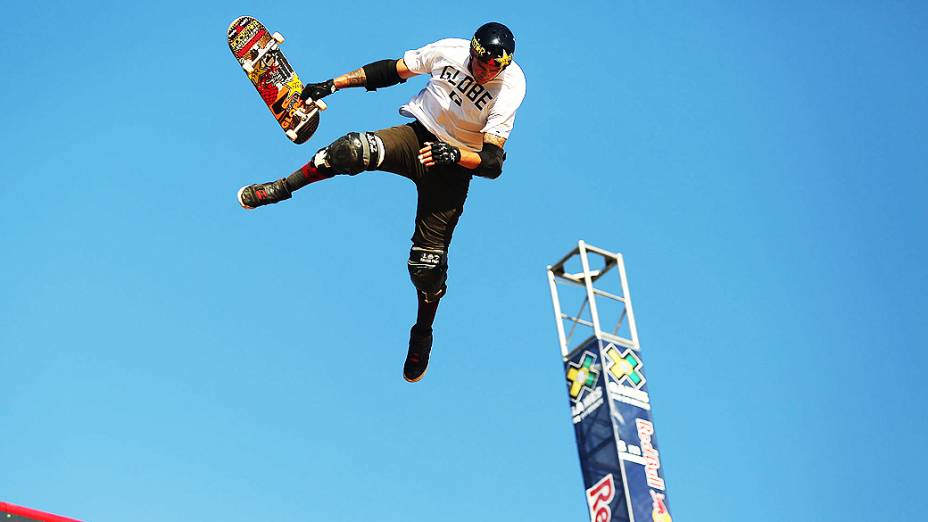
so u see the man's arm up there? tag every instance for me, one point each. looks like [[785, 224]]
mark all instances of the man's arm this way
[[404, 71], [488, 162], [472, 160], [372, 76], [358, 77], [355, 78]]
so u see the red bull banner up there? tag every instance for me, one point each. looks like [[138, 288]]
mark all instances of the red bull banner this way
[[611, 412]]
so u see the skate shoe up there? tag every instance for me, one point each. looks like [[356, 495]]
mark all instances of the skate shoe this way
[[254, 196], [417, 360]]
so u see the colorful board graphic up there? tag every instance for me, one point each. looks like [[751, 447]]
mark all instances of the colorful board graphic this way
[[273, 77], [611, 413]]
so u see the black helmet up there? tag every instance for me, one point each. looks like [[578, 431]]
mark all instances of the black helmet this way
[[493, 41]]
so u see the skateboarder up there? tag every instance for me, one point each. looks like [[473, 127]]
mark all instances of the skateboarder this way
[[462, 119]]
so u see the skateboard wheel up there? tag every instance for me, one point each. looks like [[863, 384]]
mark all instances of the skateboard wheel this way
[[291, 134], [279, 37], [321, 104]]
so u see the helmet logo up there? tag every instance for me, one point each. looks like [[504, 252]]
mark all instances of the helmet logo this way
[[505, 59], [479, 49], [482, 53]]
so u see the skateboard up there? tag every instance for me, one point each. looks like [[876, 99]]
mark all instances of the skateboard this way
[[258, 53]]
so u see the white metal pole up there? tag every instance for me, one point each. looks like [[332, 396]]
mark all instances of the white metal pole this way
[[555, 300], [588, 279], [629, 312]]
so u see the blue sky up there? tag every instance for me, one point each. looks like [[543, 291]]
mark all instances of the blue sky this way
[[168, 356]]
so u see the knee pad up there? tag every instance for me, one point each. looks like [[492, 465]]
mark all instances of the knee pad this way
[[428, 270], [352, 153]]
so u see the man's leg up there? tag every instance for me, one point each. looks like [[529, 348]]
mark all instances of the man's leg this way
[[351, 154], [428, 270], [428, 260], [441, 202]]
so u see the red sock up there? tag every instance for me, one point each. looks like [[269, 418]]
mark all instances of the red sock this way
[[305, 175]]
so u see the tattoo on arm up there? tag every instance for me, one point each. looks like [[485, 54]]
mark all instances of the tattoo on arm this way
[[494, 139], [355, 78]]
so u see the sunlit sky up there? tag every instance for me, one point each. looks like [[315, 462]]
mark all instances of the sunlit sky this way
[[168, 356]]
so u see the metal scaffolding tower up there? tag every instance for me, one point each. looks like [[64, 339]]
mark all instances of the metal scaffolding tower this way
[[606, 384]]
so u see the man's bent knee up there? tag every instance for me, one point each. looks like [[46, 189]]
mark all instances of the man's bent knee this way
[[352, 153], [428, 270]]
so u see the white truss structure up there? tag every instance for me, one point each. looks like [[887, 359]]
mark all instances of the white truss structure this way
[[599, 293]]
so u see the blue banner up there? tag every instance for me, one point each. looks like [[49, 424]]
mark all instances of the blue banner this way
[[611, 412]]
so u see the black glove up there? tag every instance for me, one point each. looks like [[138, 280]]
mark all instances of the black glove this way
[[317, 91], [444, 154]]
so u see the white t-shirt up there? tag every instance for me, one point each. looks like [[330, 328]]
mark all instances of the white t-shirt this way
[[453, 106]]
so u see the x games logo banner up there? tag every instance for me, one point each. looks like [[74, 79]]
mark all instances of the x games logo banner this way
[[626, 366], [582, 375], [611, 413], [583, 385], [586, 376]]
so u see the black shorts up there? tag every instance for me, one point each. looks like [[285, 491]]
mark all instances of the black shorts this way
[[442, 190]]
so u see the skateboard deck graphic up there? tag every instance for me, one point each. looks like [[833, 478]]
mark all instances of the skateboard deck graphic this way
[[258, 53]]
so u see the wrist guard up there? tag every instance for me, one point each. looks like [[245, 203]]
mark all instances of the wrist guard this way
[[445, 154], [491, 161], [381, 74], [317, 91]]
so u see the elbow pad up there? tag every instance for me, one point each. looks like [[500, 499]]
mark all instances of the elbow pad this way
[[491, 161], [381, 74]]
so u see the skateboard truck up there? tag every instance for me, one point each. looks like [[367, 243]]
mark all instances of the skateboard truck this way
[[277, 39], [318, 105]]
